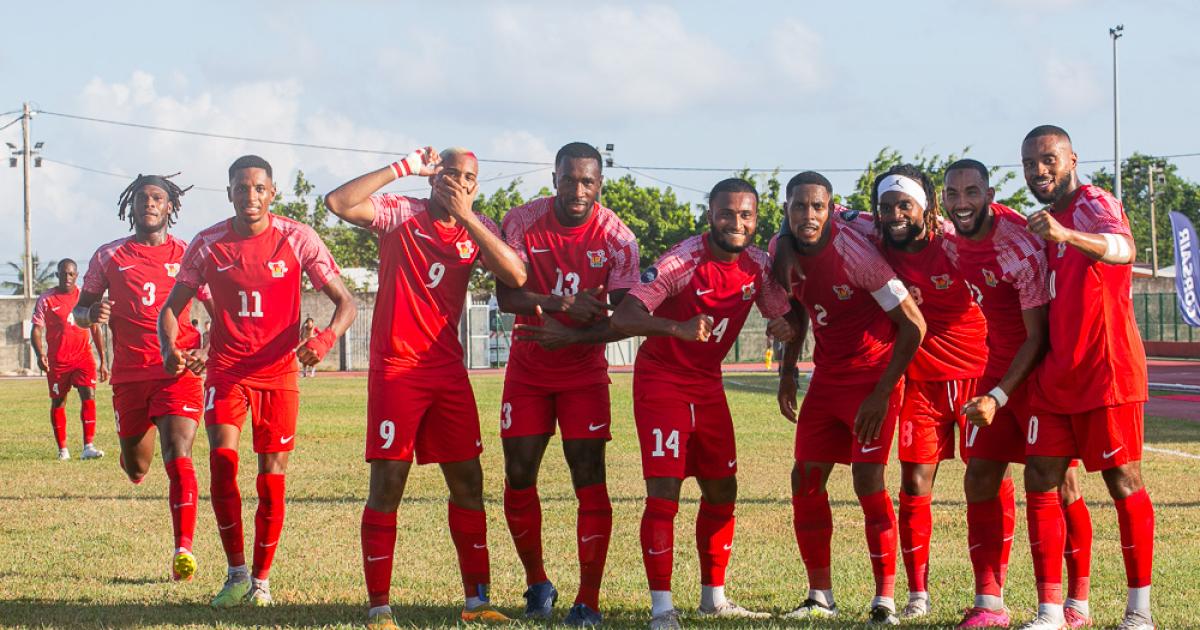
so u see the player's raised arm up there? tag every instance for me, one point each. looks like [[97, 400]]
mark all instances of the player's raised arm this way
[[351, 201], [457, 195]]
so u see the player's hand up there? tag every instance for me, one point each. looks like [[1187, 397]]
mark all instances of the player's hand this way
[[1047, 227], [99, 312], [430, 159], [175, 361], [102, 373], [585, 307], [980, 410], [551, 334], [312, 351], [787, 396], [698, 328], [456, 197], [780, 328], [868, 424], [195, 360], [41, 363]]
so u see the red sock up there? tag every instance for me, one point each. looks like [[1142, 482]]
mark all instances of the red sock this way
[[268, 522], [1078, 552], [658, 541], [1135, 516], [378, 548], [227, 503], [593, 528], [523, 511], [812, 520], [880, 526], [714, 540], [58, 422], [468, 529], [985, 533], [182, 496], [1008, 508], [1047, 540], [87, 414], [916, 530]]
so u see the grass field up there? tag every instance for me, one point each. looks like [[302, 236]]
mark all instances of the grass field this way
[[80, 546]]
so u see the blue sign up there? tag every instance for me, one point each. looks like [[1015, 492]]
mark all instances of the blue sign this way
[[1187, 267]]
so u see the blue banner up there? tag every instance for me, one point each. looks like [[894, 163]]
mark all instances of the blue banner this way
[[1187, 267]]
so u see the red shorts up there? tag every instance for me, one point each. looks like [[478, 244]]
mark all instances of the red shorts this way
[[433, 416], [1004, 439], [583, 412], [928, 418], [682, 439], [61, 380], [1105, 437], [136, 405], [272, 410], [825, 426]]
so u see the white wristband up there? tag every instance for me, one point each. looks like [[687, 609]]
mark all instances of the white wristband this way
[[999, 395], [411, 164], [1116, 249]]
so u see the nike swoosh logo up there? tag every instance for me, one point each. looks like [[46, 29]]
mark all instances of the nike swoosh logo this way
[[873, 448], [478, 443], [596, 427], [591, 538], [376, 558], [732, 463], [878, 555], [479, 546], [1008, 539], [126, 267], [729, 546], [225, 527], [538, 250], [285, 440], [521, 534], [704, 291], [263, 545], [912, 550], [190, 409], [1128, 547], [423, 235], [177, 506], [1070, 551], [54, 308], [658, 553], [974, 547], [1108, 454], [226, 267], [1034, 543]]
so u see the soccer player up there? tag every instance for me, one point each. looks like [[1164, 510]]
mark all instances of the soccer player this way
[[867, 329], [252, 264], [69, 362], [138, 272], [1089, 391], [691, 306], [419, 399], [1005, 267], [575, 251], [942, 376]]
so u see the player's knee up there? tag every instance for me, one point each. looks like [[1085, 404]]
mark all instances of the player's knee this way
[[981, 484], [1042, 476], [868, 479], [58, 403], [1123, 481], [520, 474]]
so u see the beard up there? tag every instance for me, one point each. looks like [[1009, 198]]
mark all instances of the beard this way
[[909, 236], [980, 215], [1056, 192], [720, 240]]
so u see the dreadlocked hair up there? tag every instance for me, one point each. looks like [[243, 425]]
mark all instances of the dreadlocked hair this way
[[174, 192], [933, 211]]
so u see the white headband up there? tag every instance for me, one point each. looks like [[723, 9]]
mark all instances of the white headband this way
[[906, 185]]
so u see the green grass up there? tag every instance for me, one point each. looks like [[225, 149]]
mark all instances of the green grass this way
[[80, 546]]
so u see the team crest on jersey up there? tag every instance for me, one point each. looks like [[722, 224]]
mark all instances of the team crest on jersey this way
[[989, 277], [597, 258], [1062, 249], [843, 291], [748, 291], [941, 282], [278, 268], [172, 269], [649, 275], [465, 249]]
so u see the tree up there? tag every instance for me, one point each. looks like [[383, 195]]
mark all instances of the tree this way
[[935, 167], [655, 216], [351, 246], [1172, 194], [43, 276]]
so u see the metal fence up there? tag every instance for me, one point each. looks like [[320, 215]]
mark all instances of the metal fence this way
[[1159, 319]]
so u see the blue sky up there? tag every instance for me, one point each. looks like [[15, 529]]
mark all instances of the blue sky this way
[[768, 84]]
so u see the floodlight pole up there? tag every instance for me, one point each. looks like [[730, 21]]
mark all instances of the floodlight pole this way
[[25, 154], [1115, 33]]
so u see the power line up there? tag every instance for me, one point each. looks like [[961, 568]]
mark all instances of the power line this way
[[11, 122]]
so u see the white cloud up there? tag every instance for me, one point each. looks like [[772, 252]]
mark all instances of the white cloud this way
[[1072, 87], [796, 51]]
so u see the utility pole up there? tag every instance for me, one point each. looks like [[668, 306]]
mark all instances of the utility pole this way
[[29, 159], [1151, 176], [1115, 33]]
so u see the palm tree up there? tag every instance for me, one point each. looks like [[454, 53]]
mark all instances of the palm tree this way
[[43, 276]]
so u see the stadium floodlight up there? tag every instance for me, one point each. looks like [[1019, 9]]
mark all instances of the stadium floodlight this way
[[11, 146], [38, 145]]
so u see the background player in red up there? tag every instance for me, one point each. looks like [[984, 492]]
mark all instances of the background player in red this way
[[944, 373], [252, 264], [691, 305], [867, 329], [580, 258], [419, 399], [138, 272], [1089, 391], [69, 362], [1005, 266]]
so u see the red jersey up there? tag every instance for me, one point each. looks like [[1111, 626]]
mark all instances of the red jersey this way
[[1006, 270], [955, 344], [565, 261], [688, 281], [1096, 358], [68, 345], [138, 279], [424, 269], [846, 289], [255, 285]]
